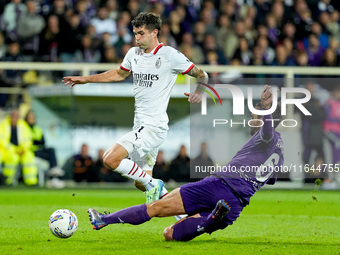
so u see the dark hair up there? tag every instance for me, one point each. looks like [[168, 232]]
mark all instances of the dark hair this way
[[150, 20], [276, 114]]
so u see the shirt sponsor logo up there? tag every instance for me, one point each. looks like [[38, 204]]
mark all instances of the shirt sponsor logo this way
[[144, 80]]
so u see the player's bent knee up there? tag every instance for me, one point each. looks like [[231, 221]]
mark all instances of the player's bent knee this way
[[167, 233], [111, 162]]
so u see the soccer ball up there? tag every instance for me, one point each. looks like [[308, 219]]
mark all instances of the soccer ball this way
[[63, 223]]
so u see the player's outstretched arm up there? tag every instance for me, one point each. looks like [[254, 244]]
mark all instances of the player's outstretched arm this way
[[266, 97], [202, 77], [109, 76], [267, 129]]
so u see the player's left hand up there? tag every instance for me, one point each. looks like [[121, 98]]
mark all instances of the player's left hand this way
[[194, 97]]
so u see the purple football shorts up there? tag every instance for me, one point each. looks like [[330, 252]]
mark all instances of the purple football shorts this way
[[201, 197]]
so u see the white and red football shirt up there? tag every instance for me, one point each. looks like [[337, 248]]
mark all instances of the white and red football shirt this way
[[154, 75]]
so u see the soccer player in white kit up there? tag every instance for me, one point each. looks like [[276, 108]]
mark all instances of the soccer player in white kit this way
[[154, 67]]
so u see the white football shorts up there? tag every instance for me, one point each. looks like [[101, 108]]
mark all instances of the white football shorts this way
[[142, 144]]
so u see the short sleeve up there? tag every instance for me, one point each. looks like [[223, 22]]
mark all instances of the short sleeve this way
[[180, 63], [126, 64]]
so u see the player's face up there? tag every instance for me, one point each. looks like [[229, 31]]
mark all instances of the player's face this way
[[144, 38], [256, 123]]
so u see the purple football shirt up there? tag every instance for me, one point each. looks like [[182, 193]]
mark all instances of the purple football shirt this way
[[257, 162]]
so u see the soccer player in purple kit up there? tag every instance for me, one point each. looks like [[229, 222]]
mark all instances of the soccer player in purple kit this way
[[216, 201]]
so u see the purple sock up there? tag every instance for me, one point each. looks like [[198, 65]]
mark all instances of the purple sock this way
[[134, 215], [188, 229]]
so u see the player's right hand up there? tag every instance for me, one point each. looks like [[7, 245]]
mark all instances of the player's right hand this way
[[266, 97], [194, 97], [74, 80]]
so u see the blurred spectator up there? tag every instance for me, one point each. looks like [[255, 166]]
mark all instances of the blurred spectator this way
[[208, 16], [324, 19], [112, 8], [273, 29], [87, 53], [110, 55], [30, 25], [82, 165], [180, 166], [257, 59], [330, 58], [281, 58], [16, 147], [203, 159], [278, 11], [302, 58], [243, 53], [98, 42], [312, 130], [331, 124], [333, 26], [60, 10], [105, 41], [232, 40], [197, 53], [158, 8], [103, 23], [229, 8], [123, 34], [268, 52], [176, 29], [223, 27], [303, 20], [187, 51], [161, 168], [12, 13], [11, 78], [289, 46], [70, 38], [315, 51], [334, 45], [209, 44], [103, 174], [262, 8], [191, 14], [49, 39], [133, 8], [212, 59], [322, 37], [199, 32], [84, 17], [39, 147], [262, 30], [165, 31], [288, 32]]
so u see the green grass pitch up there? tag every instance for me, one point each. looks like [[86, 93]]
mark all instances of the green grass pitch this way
[[275, 222]]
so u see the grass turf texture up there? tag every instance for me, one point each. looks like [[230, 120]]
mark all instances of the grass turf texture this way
[[275, 222]]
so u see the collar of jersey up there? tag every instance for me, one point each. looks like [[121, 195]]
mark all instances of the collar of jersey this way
[[155, 50]]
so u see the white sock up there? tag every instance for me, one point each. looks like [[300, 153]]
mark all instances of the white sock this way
[[131, 170], [164, 192]]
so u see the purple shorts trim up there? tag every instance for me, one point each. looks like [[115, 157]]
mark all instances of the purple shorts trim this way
[[202, 196]]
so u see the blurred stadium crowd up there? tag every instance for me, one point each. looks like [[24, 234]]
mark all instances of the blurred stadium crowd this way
[[244, 32]]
